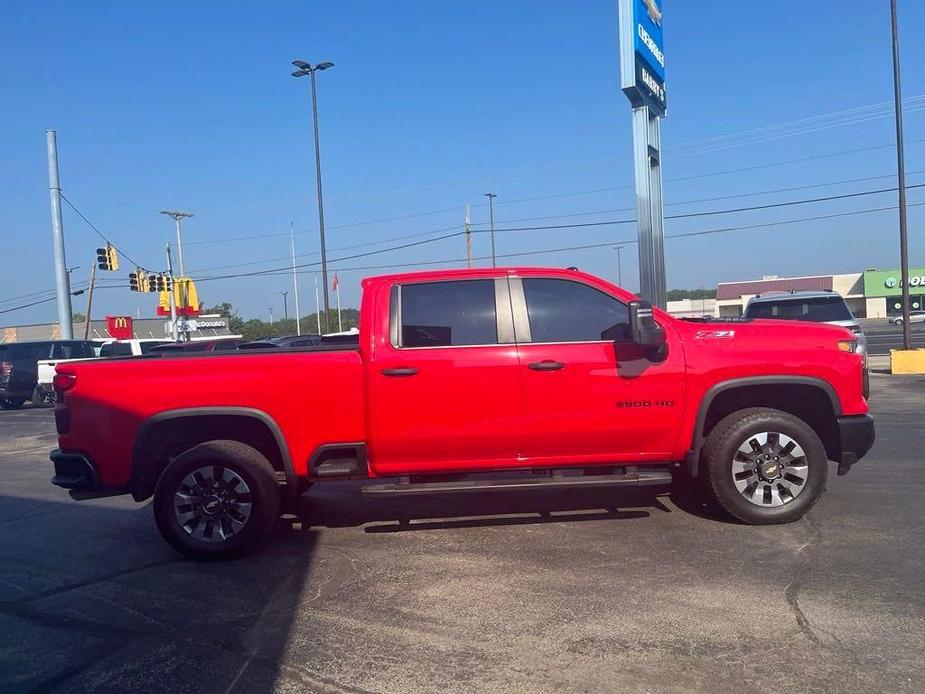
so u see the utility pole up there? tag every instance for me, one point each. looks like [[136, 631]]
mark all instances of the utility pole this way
[[619, 266], [89, 301], [174, 328], [310, 70], [270, 308], [468, 238], [177, 215], [491, 218], [285, 306], [901, 175], [295, 281], [65, 317]]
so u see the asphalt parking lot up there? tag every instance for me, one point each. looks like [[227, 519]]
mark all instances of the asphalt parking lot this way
[[582, 590]]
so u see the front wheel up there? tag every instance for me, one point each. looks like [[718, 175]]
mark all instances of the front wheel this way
[[11, 403], [216, 500], [765, 466]]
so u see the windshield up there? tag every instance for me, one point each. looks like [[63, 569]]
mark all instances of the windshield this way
[[822, 309]]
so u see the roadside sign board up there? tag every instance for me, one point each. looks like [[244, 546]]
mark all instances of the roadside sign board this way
[[642, 54], [120, 327]]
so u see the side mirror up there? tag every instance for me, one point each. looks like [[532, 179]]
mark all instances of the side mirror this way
[[644, 331]]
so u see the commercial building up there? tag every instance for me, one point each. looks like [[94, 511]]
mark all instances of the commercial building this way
[[872, 293]]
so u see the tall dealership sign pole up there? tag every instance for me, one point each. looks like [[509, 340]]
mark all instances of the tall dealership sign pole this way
[[642, 77], [901, 173]]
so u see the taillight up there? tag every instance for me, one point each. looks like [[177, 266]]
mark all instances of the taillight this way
[[64, 382], [6, 368]]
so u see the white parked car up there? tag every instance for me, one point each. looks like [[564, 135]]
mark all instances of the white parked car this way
[[108, 348]]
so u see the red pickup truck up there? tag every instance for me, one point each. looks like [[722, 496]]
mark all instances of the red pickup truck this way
[[537, 376]]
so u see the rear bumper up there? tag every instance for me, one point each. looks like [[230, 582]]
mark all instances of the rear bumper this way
[[74, 471], [856, 435]]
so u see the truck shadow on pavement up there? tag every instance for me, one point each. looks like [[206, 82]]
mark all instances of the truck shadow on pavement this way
[[94, 600]]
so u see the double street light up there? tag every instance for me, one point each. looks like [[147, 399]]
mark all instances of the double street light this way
[[310, 70]]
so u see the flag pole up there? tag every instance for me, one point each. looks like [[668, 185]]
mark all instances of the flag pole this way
[[317, 306], [295, 280], [468, 239], [340, 325]]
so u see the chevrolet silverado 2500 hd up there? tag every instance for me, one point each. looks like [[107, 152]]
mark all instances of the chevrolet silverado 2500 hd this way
[[539, 376]]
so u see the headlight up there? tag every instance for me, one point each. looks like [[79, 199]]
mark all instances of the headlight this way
[[848, 346]]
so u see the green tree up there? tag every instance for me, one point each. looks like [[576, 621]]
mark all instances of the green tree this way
[[681, 294]]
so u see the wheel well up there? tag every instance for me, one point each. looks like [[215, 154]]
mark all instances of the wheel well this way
[[162, 441], [810, 403]]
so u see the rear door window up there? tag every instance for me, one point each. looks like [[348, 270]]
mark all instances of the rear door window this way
[[448, 314], [822, 309], [116, 349]]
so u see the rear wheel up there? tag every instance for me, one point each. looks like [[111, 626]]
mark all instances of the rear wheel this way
[[764, 466], [216, 500], [11, 403]]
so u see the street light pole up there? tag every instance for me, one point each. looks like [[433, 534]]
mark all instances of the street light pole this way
[[491, 221], [619, 266], [901, 174], [310, 70], [177, 215]]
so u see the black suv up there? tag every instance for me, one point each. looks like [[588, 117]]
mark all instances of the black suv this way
[[19, 366]]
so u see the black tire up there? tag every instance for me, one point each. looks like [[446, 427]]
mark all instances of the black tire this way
[[739, 429], [11, 403], [263, 497]]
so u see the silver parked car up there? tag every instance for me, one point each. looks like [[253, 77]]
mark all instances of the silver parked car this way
[[813, 306], [914, 317]]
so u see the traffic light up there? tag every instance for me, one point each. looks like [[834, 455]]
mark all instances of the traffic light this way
[[138, 281], [107, 258], [161, 283]]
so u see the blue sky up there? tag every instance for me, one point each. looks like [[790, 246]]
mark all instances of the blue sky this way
[[429, 105]]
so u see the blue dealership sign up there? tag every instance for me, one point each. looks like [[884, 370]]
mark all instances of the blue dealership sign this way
[[642, 54], [648, 36]]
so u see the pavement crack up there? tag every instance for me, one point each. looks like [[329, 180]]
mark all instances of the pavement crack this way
[[803, 569]]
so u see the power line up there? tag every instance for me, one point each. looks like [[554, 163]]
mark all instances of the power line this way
[[511, 201], [605, 244], [98, 232]]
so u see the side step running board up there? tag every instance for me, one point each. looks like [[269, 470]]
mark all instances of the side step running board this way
[[642, 478]]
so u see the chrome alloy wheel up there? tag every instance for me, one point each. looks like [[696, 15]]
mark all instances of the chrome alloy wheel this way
[[770, 469], [212, 503]]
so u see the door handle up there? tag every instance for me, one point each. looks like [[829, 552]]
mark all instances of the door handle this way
[[547, 365], [403, 371]]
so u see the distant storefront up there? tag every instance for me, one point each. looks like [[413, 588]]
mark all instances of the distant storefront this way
[[870, 294], [883, 291], [206, 326]]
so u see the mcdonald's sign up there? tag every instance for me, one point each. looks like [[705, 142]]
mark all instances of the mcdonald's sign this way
[[120, 327]]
